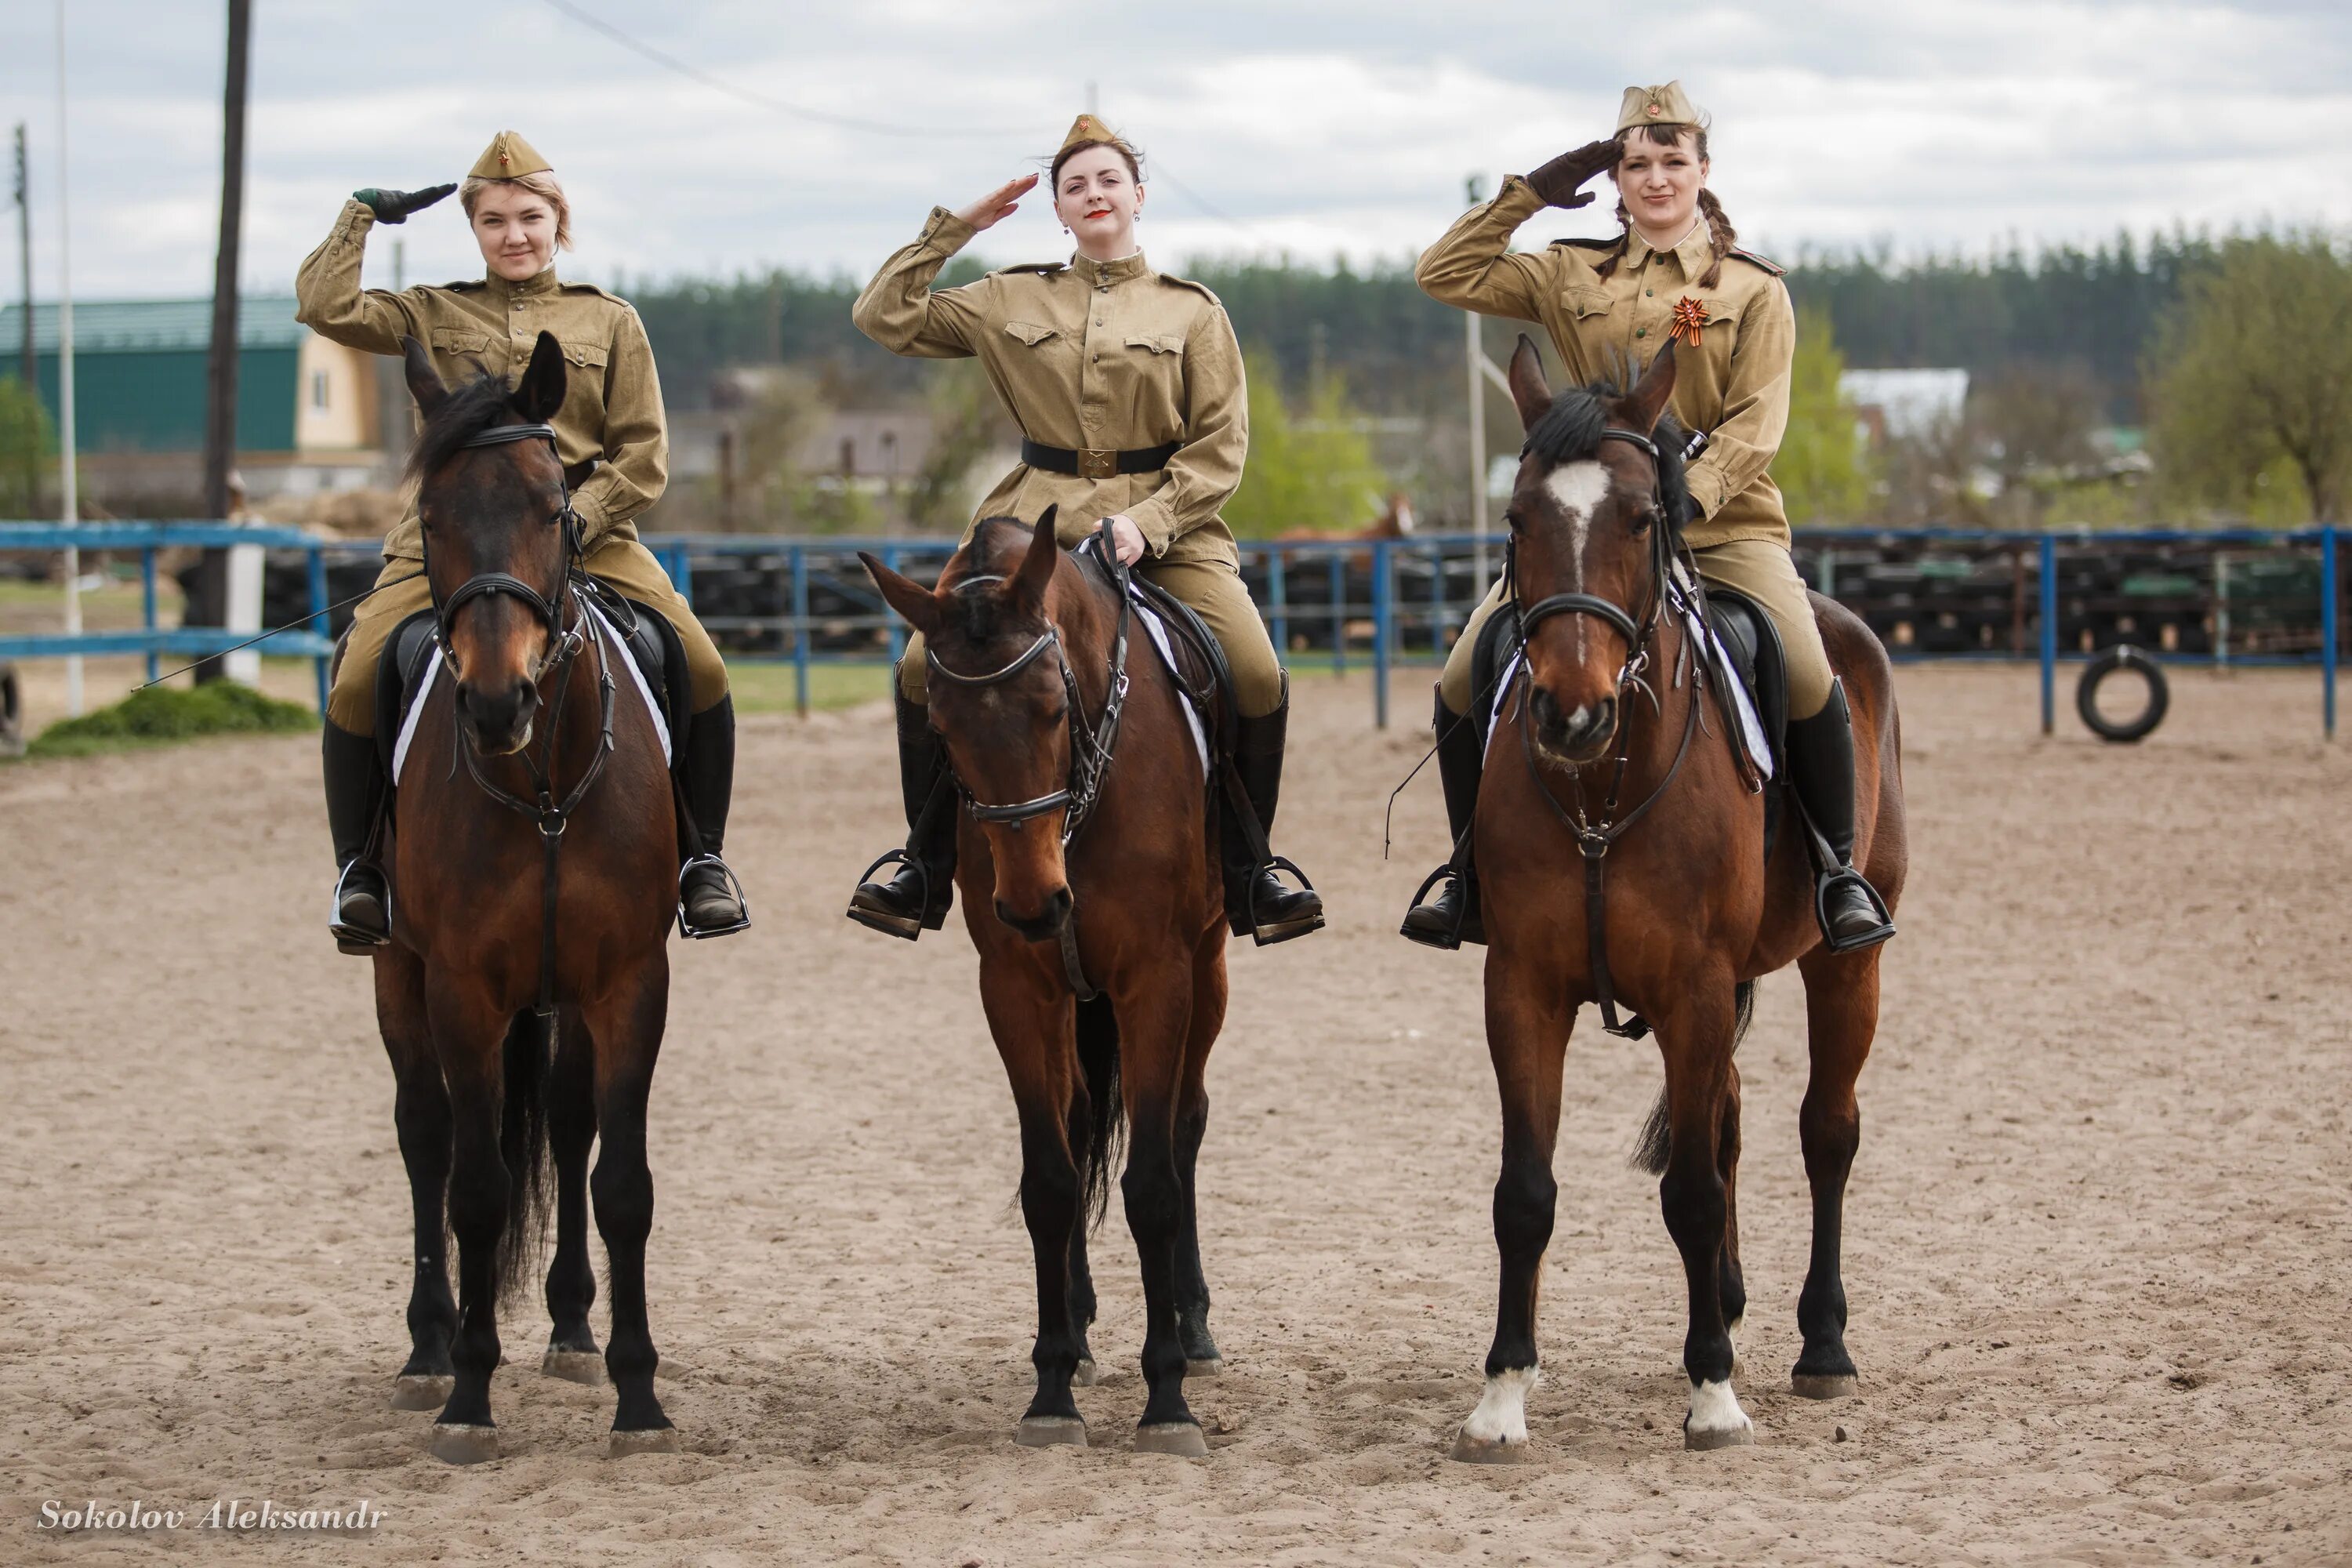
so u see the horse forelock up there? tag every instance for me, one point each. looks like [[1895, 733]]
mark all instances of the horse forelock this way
[[1570, 431], [466, 413], [975, 586]]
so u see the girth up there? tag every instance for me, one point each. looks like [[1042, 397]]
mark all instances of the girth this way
[[1096, 464]]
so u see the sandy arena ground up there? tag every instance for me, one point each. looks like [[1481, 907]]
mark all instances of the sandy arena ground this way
[[2096, 1240]]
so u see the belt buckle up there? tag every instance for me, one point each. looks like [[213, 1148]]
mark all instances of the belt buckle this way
[[1095, 465]]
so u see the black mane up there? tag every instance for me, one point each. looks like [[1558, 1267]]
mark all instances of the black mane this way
[[976, 613], [466, 413], [1570, 431]]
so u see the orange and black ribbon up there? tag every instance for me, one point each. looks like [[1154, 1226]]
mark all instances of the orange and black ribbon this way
[[1690, 322]]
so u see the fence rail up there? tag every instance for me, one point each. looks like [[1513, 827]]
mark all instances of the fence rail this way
[[2237, 595]]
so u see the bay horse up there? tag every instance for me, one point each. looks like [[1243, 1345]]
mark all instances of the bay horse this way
[[523, 995], [1606, 703], [1093, 894]]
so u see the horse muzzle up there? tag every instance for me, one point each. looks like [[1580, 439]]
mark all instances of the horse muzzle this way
[[499, 723], [1577, 736], [1042, 926]]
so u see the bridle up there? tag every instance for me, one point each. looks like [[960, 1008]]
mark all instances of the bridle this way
[[1091, 743], [1597, 833]]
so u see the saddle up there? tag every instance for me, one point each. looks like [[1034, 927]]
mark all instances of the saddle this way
[[652, 643]]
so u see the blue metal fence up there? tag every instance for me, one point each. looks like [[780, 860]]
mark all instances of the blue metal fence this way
[[820, 609]]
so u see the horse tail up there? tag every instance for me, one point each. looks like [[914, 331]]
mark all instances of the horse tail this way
[[523, 1148], [1105, 1114], [1656, 1139]]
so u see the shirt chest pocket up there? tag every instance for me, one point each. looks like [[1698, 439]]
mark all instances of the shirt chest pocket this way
[[1156, 342], [460, 342], [585, 356], [1586, 301]]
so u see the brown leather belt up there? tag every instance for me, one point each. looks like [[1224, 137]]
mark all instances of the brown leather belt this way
[[1098, 465]]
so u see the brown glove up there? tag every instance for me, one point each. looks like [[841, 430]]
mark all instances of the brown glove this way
[[1558, 181]]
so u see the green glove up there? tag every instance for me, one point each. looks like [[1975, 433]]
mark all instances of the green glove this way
[[393, 207], [1557, 182]]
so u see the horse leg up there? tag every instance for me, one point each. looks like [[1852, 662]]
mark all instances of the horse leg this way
[[572, 1352], [1155, 1028], [1732, 1284], [1035, 1038], [1841, 1019], [420, 1110], [625, 1025], [1080, 1135], [1528, 1024], [1201, 1357], [469, 1035], [1696, 1042]]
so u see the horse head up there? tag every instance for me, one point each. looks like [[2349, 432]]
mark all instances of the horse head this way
[[496, 545], [1594, 516], [1001, 695]]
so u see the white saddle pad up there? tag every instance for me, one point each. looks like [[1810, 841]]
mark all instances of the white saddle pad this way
[[1159, 630]]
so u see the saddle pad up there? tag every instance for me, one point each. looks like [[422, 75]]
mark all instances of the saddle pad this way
[[1159, 630], [615, 650], [1751, 728]]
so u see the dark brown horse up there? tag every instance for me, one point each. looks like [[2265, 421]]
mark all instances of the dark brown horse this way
[[1093, 894], [1694, 910], [506, 855]]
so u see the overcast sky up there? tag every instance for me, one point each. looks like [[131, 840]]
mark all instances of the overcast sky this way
[[1313, 129]]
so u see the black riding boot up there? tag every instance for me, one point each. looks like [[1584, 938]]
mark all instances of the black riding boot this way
[[710, 900], [1258, 902], [917, 896], [361, 918], [1820, 766], [1452, 917]]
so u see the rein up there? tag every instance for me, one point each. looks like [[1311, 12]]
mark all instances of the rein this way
[[549, 815], [1597, 833]]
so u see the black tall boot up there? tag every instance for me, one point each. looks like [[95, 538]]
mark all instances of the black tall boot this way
[[1452, 917], [1257, 901], [1821, 767], [360, 917], [710, 900], [917, 896]]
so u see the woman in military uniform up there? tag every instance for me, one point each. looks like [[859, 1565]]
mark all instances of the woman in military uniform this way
[[1672, 272], [614, 444], [1127, 386]]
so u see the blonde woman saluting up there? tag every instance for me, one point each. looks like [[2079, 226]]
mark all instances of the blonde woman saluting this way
[[1127, 386]]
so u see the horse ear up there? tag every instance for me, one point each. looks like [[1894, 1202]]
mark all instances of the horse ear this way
[[425, 382], [1037, 566], [919, 605], [541, 392], [1648, 399], [1527, 378]]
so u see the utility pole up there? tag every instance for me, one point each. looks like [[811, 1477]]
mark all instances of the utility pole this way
[[68, 479], [220, 370], [31, 372], [1477, 363]]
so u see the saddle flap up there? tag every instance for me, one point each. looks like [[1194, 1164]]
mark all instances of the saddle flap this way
[[407, 654], [1496, 638], [1200, 669], [1753, 643]]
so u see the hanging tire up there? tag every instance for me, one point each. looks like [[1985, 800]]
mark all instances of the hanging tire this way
[[12, 713], [2086, 694]]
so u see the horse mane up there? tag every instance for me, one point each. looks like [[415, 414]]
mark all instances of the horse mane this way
[[1570, 431], [992, 554], [466, 413]]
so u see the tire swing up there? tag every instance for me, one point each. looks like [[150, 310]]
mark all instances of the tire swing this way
[[12, 714], [2123, 655]]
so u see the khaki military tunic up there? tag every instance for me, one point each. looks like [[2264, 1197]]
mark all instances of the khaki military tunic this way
[[1733, 384], [1101, 356], [612, 415]]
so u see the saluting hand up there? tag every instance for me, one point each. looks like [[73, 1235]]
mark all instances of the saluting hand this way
[[1557, 182], [393, 207], [999, 204]]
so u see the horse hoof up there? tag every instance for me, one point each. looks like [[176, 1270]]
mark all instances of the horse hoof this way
[[1085, 1377], [1824, 1385], [574, 1366], [1052, 1431], [1214, 1366], [648, 1440], [1181, 1438], [1701, 1442], [422, 1391], [459, 1445], [1487, 1450]]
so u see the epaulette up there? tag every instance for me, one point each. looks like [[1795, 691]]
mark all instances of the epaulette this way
[[1038, 267], [466, 285], [1766, 262], [565, 286], [1201, 289]]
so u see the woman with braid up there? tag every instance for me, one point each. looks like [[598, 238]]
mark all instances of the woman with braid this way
[[1673, 273]]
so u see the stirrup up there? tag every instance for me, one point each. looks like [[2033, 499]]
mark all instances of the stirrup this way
[[893, 924], [1848, 875], [352, 938], [1451, 942], [733, 886], [1267, 936]]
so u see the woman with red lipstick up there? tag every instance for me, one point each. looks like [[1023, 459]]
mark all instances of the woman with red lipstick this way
[[1671, 274], [1127, 386]]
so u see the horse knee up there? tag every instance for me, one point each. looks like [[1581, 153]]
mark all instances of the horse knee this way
[[1049, 1192], [1525, 1197], [1148, 1188], [624, 1196], [1830, 1133], [1692, 1198]]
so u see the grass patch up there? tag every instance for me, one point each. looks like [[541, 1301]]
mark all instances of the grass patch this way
[[162, 714], [767, 688]]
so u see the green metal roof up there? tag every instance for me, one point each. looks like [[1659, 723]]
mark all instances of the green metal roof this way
[[135, 326]]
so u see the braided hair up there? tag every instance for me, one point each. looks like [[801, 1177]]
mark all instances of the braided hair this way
[[1720, 236]]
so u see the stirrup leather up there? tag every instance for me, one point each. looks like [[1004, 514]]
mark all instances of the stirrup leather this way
[[352, 938], [733, 885]]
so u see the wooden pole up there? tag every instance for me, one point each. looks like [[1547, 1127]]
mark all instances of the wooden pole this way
[[31, 372], [220, 371], [68, 453]]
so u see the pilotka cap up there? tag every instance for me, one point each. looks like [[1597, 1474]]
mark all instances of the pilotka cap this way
[[508, 157], [1668, 105]]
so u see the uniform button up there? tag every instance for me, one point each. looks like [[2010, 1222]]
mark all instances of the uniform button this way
[[1647, 293], [1641, 331]]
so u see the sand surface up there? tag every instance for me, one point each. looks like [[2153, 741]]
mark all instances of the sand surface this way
[[2096, 1237]]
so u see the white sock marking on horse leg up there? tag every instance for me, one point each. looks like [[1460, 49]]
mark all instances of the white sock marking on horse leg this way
[[1715, 1408], [1502, 1413], [1578, 490]]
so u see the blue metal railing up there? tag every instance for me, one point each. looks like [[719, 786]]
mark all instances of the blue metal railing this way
[[1392, 624]]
